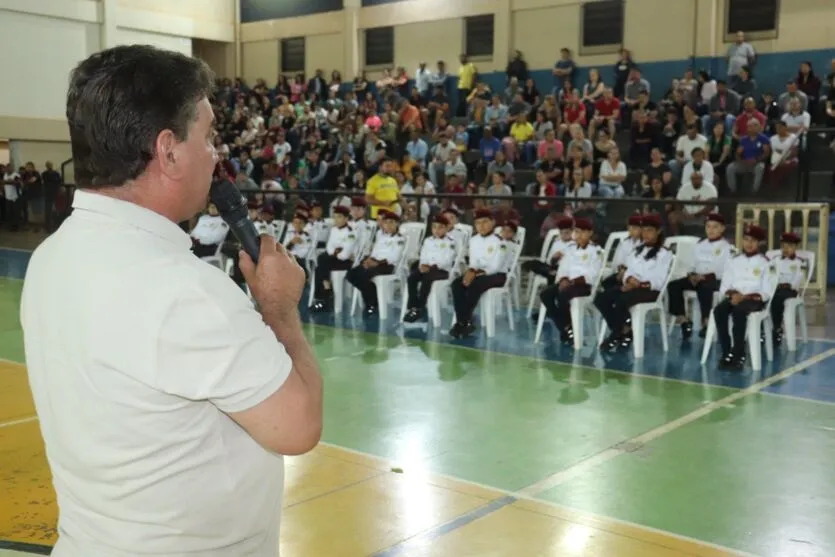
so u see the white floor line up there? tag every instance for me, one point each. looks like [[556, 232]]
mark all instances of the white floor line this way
[[526, 497], [628, 445], [21, 250], [19, 422]]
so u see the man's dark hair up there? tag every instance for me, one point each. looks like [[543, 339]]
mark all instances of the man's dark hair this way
[[120, 99]]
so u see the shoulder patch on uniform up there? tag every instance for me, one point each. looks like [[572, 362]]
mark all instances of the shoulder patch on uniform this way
[[400, 241], [503, 246], [352, 236]]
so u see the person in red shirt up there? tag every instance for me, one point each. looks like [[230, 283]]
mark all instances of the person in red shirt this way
[[573, 113], [606, 113], [749, 112]]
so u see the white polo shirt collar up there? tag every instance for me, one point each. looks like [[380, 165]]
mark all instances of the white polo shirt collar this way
[[131, 215]]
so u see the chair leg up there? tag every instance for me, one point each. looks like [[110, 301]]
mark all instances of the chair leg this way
[[710, 337], [337, 286], [790, 328], [769, 340], [755, 348], [577, 311], [312, 288], [665, 340], [510, 315], [531, 296], [639, 318], [540, 323]]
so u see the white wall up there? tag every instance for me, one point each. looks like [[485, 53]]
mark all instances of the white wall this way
[[38, 54], [168, 42]]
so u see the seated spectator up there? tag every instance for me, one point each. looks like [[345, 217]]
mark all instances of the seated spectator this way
[[606, 113], [573, 114], [751, 156], [722, 107], [697, 189], [578, 139], [792, 92], [502, 165], [496, 117], [417, 148], [455, 166], [462, 137], [687, 86], [632, 92], [488, 146], [551, 110], [541, 126], [513, 88], [749, 112], [577, 159], [441, 153], [498, 188], [437, 106], [745, 85], [603, 143], [690, 118], [768, 106], [577, 188], [659, 169], [708, 89], [521, 134], [612, 175], [552, 166], [543, 189], [646, 105], [549, 142], [797, 120], [784, 147], [643, 138], [657, 191], [592, 90], [670, 132], [691, 139], [698, 164], [719, 149], [810, 85]]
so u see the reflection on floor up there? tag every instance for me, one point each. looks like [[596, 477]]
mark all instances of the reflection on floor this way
[[435, 447]]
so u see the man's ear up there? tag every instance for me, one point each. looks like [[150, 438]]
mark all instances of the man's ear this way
[[169, 153]]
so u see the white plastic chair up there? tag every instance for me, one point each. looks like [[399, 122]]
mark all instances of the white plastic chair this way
[[795, 308], [217, 258], [684, 247], [578, 308], [755, 323], [413, 232], [490, 301], [613, 240], [638, 314], [536, 282]]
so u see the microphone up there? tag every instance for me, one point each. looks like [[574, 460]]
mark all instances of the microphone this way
[[231, 205]]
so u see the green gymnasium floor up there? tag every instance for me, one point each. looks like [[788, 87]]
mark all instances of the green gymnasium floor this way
[[742, 462]]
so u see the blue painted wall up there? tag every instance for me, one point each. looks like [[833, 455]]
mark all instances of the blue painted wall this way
[[261, 10], [378, 2]]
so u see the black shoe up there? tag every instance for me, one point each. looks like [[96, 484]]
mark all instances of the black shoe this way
[[726, 361], [611, 343], [737, 363], [467, 329], [411, 316], [778, 336], [626, 340], [371, 311], [455, 331], [567, 336], [686, 330], [318, 306], [703, 331]]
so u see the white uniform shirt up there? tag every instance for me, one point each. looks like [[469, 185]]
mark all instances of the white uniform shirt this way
[[388, 247], [133, 376], [790, 271], [317, 229], [559, 246], [300, 249], [458, 235], [265, 228], [487, 253], [704, 192], [209, 230], [706, 170], [748, 275], [711, 258], [438, 252], [654, 271], [624, 252], [342, 238], [579, 262], [10, 190]]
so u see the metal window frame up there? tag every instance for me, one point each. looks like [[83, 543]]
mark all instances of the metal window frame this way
[[611, 48], [378, 63], [468, 38], [730, 36], [285, 69]]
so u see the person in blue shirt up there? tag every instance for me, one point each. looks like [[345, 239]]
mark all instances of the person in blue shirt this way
[[489, 146], [564, 70], [752, 155]]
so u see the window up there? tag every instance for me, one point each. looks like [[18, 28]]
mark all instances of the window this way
[[478, 35], [379, 46], [602, 24], [292, 55], [752, 16]]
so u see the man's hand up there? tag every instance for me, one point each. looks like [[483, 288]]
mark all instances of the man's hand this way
[[369, 263], [736, 297], [695, 279], [424, 268], [277, 281], [563, 284], [468, 277]]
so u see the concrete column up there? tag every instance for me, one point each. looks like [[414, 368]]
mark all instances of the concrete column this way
[[350, 39], [239, 67], [503, 29], [109, 23]]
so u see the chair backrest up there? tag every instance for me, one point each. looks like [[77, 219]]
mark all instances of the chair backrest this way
[[550, 237], [612, 242], [466, 228], [670, 273], [809, 260], [684, 248], [773, 282], [520, 235], [279, 226], [413, 232]]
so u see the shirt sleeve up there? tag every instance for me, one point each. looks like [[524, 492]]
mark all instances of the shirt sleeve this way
[[213, 346]]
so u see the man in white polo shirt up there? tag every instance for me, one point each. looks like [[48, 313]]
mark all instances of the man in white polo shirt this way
[[165, 400]]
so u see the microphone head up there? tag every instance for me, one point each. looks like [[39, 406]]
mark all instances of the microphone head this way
[[227, 197]]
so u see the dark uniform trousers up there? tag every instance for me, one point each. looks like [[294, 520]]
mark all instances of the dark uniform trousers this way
[[558, 302], [540, 268], [739, 316], [301, 263], [610, 282], [465, 298], [420, 284], [704, 291], [361, 279], [778, 303], [614, 304], [324, 265]]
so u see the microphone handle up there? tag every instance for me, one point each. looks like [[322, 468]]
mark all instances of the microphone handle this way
[[246, 234]]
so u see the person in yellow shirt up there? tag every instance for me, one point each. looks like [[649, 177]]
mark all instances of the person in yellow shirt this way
[[381, 190], [467, 73], [521, 133]]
